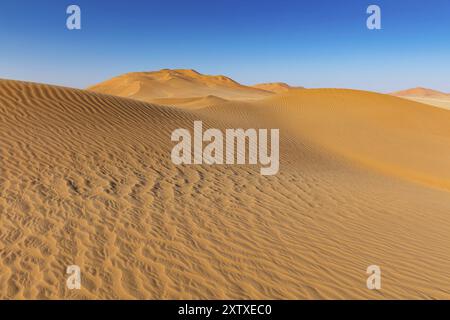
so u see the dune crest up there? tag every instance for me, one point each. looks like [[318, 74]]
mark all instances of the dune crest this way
[[177, 84], [426, 96]]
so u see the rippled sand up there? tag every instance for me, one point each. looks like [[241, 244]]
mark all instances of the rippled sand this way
[[87, 179]]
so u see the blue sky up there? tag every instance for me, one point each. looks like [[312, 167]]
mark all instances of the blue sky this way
[[320, 43]]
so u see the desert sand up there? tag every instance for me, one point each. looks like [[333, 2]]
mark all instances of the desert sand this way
[[426, 96], [86, 178], [178, 87]]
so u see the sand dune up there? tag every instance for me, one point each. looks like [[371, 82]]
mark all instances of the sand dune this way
[[275, 87], [441, 103], [177, 84], [421, 93], [427, 96], [87, 179], [190, 103]]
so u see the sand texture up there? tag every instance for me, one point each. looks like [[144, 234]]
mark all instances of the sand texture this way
[[86, 178]]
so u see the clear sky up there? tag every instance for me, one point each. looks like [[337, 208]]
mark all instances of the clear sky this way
[[320, 43]]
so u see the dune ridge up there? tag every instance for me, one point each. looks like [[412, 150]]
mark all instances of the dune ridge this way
[[176, 85], [275, 87], [426, 96], [421, 92], [86, 178]]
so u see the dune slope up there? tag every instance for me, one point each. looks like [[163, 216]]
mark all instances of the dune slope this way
[[177, 85], [275, 87], [427, 96], [87, 179]]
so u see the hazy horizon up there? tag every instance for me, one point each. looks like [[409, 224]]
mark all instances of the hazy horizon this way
[[320, 44]]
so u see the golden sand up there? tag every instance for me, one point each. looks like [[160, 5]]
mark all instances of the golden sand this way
[[426, 96], [181, 87], [275, 87], [87, 179]]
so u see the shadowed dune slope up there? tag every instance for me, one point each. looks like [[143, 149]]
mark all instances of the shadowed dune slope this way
[[87, 179]]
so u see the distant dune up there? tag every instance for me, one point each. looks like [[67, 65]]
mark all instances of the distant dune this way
[[177, 84], [427, 96], [87, 179], [275, 87], [421, 92], [191, 103]]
